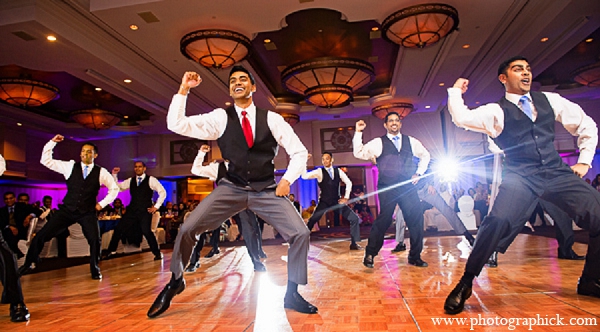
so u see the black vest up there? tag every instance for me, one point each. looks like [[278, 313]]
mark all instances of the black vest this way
[[141, 196], [330, 188], [395, 166], [528, 146], [249, 166], [82, 193], [221, 171]]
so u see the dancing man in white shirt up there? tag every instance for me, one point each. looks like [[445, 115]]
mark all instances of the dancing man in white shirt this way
[[522, 124], [137, 220], [248, 138], [329, 178], [79, 205], [396, 184]]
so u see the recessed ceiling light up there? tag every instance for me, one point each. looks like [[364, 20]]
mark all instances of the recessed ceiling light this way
[[51, 38], [127, 80], [267, 41], [126, 116], [543, 40], [477, 102], [133, 27], [589, 40], [228, 103], [441, 84], [98, 89], [465, 46], [375, 29], [19, 124], [427, 106]]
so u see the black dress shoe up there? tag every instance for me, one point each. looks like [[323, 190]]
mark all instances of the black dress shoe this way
[[19, 312], [259, 266], [418, 262], [455, 302], [192, 267], [355, 246], [163, 301], [158, 257], [295, 301], [493, 260], [368, 261], [588, 287], [97, 276], [212, 252], [26, 269], [399, 247], [572, 255], [110, 255]]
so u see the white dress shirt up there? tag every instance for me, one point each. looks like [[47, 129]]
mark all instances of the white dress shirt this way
[[489, 119], [318, 174], [211, 126], [154, 185], [210, 171], [374, 148], [2, 165], [66, 167]]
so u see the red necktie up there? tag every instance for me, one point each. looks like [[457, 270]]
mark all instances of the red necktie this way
[[247, 129]]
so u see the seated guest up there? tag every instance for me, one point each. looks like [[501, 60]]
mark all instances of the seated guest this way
[[14, 220], [295, 202]]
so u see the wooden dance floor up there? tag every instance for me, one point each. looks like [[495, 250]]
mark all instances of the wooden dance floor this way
[[225, 294]]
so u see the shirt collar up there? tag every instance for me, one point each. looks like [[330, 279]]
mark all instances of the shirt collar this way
[[90, 166], [390, 136], [143, 176], [514, 98], [250, 109]]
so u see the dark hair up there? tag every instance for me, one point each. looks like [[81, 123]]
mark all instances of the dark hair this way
[[9, 193], [503, 68], [139, 161], [46, 197], [243, 70], [391, 113], [329, 153], [92, 145], [23, 194]]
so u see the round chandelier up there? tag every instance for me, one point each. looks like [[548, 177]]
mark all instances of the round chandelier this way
[[588, 75], [24, 92], [215, 48], [96, 118], [421, 25], [403, 109], [328, 82]]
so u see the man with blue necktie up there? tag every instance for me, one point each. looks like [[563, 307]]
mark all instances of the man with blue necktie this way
[[137, 219], [398, 176], [329, 178], [522, 123], [79, 205]]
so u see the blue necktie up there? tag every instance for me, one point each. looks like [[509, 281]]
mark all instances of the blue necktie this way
[[85, 172], [139, 180], [396, 142], [330, 170], [526, 106]]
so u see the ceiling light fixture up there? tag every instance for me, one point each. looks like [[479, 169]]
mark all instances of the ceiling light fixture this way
[[588, 75], [215, 48], [290, 118], [51, 38], [328, 82], [421, 25], [96, 118], [25, 92], [403, 109]]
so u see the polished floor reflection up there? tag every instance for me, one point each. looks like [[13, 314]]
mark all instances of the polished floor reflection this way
[[226, 295]]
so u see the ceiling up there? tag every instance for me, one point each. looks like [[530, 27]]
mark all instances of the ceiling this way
[[96, 48]]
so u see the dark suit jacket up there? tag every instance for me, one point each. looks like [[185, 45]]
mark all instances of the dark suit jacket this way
[[22, 210]]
